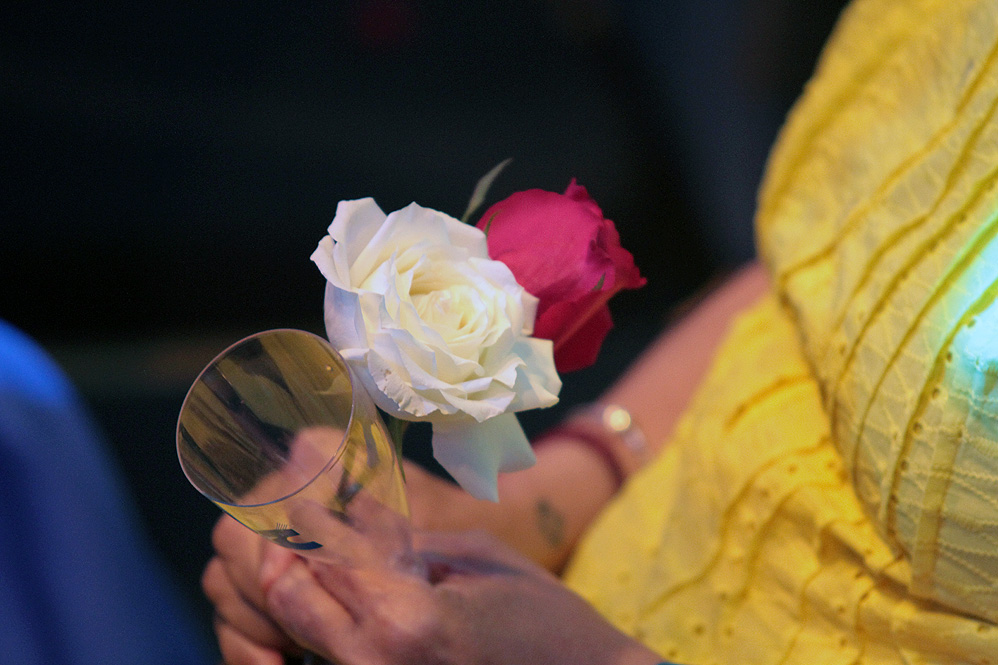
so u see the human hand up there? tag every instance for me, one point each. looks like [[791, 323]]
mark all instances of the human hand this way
[[480, 603], [246, 634]]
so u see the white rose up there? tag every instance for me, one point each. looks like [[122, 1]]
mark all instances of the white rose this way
[[437, 332]]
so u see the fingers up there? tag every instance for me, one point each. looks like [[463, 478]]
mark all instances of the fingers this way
[[340, 540], [311, 615], [419, 478], [231, 581], [341, 582], [234, 542], [233, 609], [237, 649], [472, 551], [361, 539], [238, 552]]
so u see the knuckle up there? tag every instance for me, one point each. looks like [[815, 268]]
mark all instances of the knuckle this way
[[218, 538], [211, 579]]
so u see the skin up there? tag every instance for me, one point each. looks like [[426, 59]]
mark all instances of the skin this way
[[481, 602], [487, 596], [570, 483]]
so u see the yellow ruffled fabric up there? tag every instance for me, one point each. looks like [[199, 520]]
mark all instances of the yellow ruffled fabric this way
[[878, 218], [832, 493], [745, 543]]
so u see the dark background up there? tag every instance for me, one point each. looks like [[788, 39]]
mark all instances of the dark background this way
[[167, 171]]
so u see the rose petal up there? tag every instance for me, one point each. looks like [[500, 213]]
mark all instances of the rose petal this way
[[414, 223], [482, 406], [475, 453], [561, 231], [581, 348], [537, 381], [626, 275], [392, 388], [468, 237], [322, 257], [432, 368], [579, 194], [564, 252], [354, 224], [502, 363], [372, 256], [343, 314]]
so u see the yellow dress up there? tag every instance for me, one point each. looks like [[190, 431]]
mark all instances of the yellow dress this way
[[831, 495]]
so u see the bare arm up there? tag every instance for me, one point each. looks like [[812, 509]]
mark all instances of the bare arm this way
[[543, 510]]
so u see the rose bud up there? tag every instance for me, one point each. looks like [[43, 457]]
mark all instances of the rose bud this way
[[562, 250]]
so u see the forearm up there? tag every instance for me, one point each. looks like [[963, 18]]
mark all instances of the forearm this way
[[546, 508], [543, 510], [549, 506]]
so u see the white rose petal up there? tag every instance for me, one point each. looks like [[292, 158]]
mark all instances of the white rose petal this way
[[475, 454]]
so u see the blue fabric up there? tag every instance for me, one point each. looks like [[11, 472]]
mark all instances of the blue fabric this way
[[80, 585]]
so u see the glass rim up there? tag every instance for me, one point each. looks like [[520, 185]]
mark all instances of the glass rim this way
[[341, 447]]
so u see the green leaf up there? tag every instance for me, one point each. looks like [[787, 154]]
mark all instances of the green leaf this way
[[599, 284], [488, 224], [482, 188]]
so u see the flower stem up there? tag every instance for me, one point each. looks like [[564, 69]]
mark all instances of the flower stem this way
[[396, 430]]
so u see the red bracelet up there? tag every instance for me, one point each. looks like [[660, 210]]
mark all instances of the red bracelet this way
[[595, 442], [610, 432]]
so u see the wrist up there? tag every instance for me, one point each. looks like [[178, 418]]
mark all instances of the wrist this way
[[546, 508], [611, 432]]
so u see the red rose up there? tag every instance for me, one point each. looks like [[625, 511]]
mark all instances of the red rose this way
[[563, 251]]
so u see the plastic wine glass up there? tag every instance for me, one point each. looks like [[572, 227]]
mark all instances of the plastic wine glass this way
[[278, 434]]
